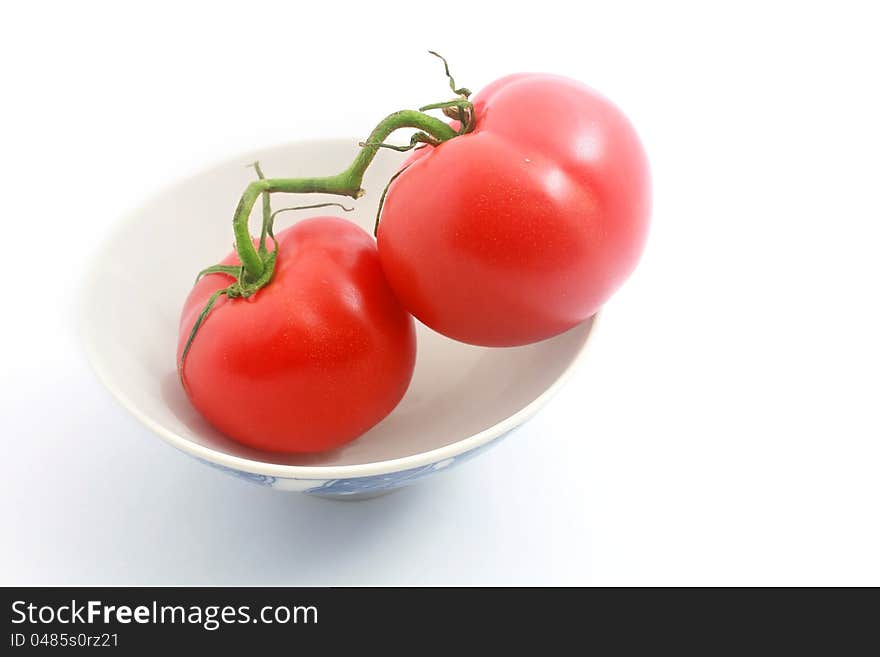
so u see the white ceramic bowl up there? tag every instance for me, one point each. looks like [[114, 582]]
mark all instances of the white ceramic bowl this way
[[462, 398]]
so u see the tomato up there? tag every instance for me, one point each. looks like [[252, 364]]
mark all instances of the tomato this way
[[310, 361], [525, 226]]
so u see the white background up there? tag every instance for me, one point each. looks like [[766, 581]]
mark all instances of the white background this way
[[724, 429]]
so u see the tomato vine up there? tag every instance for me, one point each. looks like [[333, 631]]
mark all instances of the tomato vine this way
[[258, 263]]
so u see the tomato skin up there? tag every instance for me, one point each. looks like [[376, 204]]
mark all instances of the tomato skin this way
[[313, 359], [525, 227]]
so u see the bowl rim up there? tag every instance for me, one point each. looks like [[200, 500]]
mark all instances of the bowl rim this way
[[300, 472]]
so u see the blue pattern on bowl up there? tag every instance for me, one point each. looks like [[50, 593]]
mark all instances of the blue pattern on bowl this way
[[355, 485], [389, 480], [253, 477]]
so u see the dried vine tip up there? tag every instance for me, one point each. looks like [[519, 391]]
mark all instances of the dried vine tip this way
[[312, 207], [461, 91], [382, 199], [415, 140]]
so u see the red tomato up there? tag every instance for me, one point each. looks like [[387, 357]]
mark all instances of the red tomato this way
[[524, 227], [312, 360]]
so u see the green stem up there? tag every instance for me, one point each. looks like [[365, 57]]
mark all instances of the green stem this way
[[347, 183], [267, 212]]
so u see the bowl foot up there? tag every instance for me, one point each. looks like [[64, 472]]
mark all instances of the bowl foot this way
[[356, 497]]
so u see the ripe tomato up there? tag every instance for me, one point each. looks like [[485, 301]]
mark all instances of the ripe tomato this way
[[312, 360], [524, 227]]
